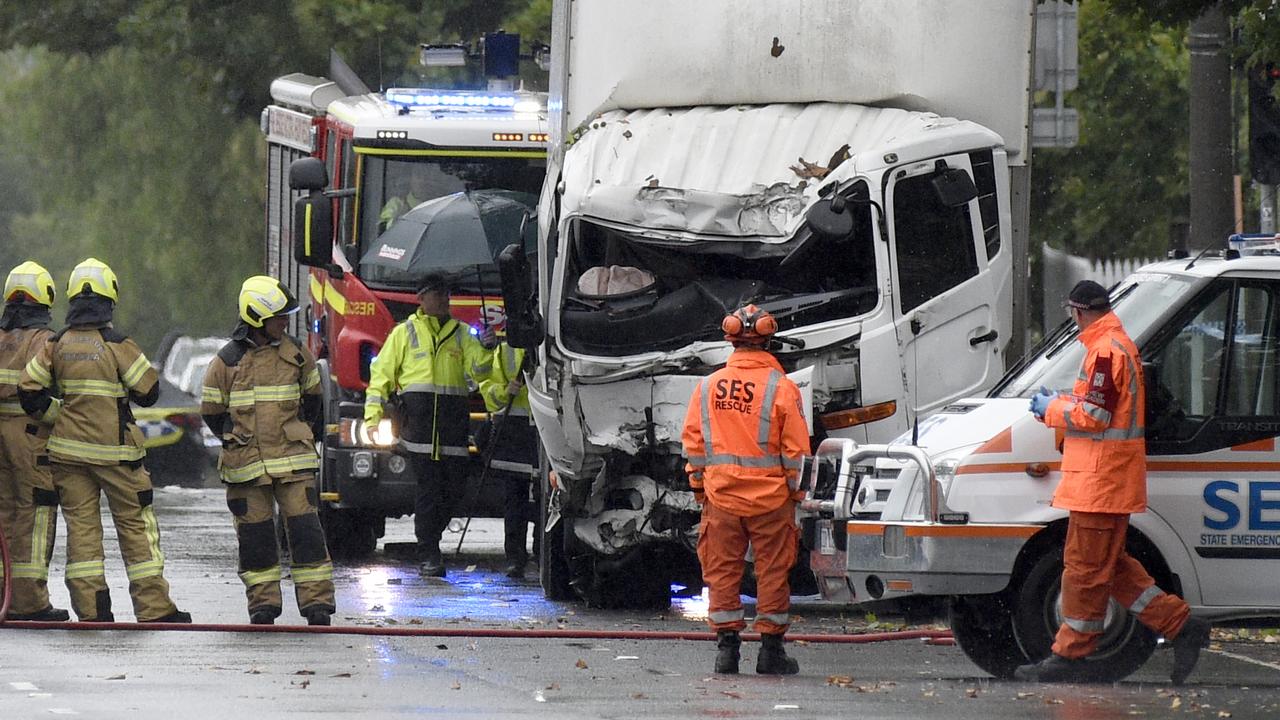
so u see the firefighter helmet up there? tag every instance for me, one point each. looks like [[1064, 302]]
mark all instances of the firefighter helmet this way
[[93, 276], [263, 297], [29, 280], [749, 324]]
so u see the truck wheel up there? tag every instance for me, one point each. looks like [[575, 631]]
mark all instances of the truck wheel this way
[[983, 628], [1125, 643], [553, 568], [350, 534], [634, 581]]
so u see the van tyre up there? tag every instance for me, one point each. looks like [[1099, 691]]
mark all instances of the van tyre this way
[[1125, 645], [983, 628], [350, 534]]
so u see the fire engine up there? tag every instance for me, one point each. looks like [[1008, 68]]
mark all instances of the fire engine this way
[[964, 512], [338, 162]]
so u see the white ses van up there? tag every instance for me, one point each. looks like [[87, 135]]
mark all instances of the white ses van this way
[[966, 513]]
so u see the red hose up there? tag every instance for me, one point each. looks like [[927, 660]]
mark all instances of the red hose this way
[[561, 634]]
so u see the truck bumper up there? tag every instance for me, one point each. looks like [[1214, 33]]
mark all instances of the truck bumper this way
[[369, 478], [899, 559]]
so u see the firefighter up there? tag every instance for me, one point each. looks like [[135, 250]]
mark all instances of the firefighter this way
[[95, 446], [515, 454], [262, 397], [28, 502], [1104, 480], [425, 363], [745, 437]]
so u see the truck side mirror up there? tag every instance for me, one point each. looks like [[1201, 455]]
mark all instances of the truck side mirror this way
[[954, 187], [308, 173], [313, 230], [830, 218], [524, 324]]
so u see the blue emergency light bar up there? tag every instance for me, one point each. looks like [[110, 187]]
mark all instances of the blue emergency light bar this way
[[1255, 243], [413, 97]]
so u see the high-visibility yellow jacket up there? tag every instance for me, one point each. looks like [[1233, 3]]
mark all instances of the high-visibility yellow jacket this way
[[1104, 455], [745, 435], [97, 371], [17, 347], [506, 367], [427, 364], [254, 394]]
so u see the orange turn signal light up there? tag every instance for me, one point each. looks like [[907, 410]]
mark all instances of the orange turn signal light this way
[[858, 416]]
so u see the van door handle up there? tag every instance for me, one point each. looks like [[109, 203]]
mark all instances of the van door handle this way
[[988, 337]]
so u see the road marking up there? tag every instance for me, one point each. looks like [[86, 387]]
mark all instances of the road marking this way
[[23, 686], [1245, 658]]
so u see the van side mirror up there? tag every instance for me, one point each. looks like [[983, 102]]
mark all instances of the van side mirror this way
[[524, 323], [954, 187], [831, 218]]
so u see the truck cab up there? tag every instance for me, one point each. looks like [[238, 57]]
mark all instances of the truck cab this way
[[973, 522]]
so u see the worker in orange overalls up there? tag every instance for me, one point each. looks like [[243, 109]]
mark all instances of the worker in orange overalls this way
[[745, 437], [1104, 480]]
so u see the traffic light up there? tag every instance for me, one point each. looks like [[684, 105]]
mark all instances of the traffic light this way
[[1264, 124]]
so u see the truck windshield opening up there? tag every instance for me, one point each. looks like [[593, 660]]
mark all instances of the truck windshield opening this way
[[390, 186], [627, 294]]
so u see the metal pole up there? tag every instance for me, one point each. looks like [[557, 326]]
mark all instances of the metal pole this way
[[1210, 151], [1267, 209]]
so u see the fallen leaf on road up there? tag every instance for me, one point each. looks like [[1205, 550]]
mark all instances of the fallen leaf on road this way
[[581, 664], [341, 675], [301, 685], [253, 671], [839, 680], [416, 621], [1052, 701], [638, 696], [971, 692], [553, 686], [730, 693], [1025, 695], [456, 685], [1177, 703], [1224, 714], [442, 646], [305, 672], [116, 677]]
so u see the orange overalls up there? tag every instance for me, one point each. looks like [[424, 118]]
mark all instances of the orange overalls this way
[[1104, 479], [745, 437]]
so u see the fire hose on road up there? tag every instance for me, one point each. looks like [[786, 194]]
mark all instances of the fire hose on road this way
[[931, 636]]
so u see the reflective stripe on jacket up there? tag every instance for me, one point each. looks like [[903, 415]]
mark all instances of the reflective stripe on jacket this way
[[427, 364], [261, 388], [745, 435], [95, 369], [1104, 466], [506, 367]]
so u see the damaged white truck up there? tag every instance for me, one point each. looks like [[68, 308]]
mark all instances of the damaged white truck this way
[[856, 168]]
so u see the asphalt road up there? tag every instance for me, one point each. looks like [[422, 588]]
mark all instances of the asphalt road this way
[[187, 674]]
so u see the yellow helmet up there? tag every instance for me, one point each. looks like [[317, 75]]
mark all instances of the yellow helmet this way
[[30, 279], [263, 297], [93, 276]]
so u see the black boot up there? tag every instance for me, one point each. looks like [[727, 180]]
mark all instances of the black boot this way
[[773, 659], [1054, 668], [317, 616], [265, 615], [432, 563], [49, 614], [729, 645], [176, 617], [1186, 648]]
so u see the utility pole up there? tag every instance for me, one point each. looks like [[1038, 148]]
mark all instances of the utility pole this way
[[1211, 168]]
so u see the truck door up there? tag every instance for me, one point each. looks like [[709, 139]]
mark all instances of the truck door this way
[[1213, 414], [944, 292]]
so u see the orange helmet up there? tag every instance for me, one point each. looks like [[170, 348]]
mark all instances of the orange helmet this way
[[749, 325]]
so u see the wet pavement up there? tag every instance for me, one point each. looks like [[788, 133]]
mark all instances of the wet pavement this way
[[123, 674]]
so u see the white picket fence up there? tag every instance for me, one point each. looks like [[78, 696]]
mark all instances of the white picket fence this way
[[1062, 271]]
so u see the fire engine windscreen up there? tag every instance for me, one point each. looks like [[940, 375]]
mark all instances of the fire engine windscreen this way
[[392, 186], [628, 293]]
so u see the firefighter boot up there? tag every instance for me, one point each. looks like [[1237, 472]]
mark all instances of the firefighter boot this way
[[773, 659], [729, 645], [1054, 668], [317, 615], [49, 614], [264, 615], [432, 563], [1186, 648], [177, 617]]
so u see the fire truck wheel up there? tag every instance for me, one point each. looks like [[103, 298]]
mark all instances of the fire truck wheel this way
[[983, 628], [350, 534], [1037, 613]]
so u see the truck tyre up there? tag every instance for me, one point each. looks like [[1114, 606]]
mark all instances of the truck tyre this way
[[983, 628], [633, 581], [553, 568], [1125, 643], [351, 534]]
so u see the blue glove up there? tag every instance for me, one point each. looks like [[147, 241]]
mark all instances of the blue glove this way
[[1040, 403]]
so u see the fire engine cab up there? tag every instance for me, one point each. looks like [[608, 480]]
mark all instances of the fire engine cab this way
[[965, 512], [382, 154]]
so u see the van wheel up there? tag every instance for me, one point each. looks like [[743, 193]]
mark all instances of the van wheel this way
[[983, 628], [351, 534], [1037, 613]]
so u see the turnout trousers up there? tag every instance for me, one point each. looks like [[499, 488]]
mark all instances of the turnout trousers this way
[[514, 461], [1095, 569], [441, 486], [129, 496], [253, 511], [722, 549], [28, 512]]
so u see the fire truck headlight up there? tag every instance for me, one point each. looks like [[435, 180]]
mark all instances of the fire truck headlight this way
[[383, 436]]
